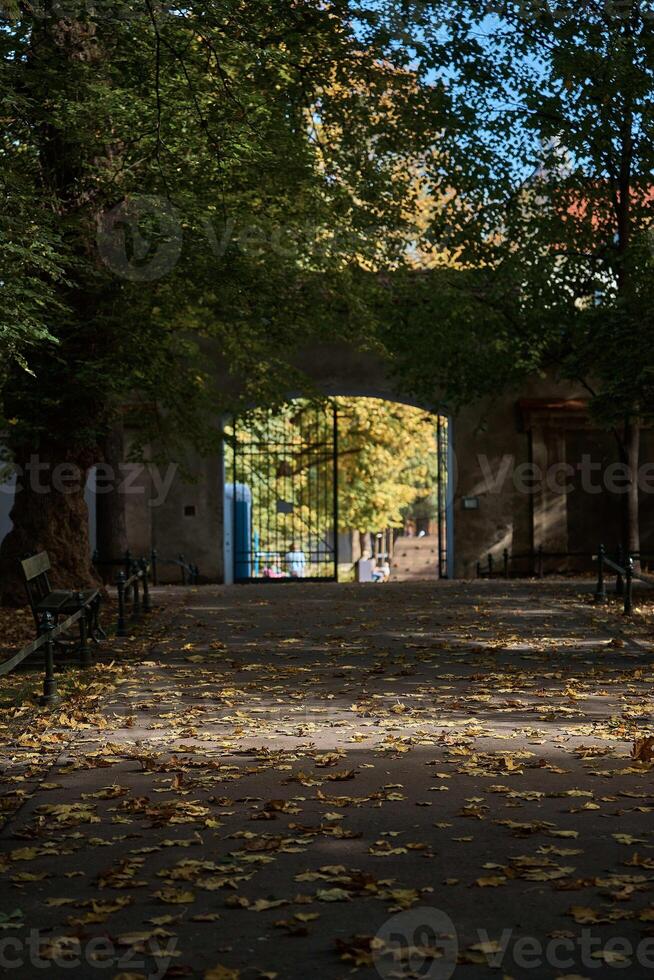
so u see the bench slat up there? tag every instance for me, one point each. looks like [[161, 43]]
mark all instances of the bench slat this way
[[35, 566]]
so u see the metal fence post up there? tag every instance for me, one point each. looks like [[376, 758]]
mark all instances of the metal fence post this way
[[153, 565], [600, 591], [478, 569], [127, 560], [540, 564], [506, 562], [180, 558], [120, 588], [84, 652], [136, 602], [490, 565], [619, 582], [147, 607], [629, 587], [50, 695]]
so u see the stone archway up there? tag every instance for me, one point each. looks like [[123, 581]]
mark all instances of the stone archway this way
[[489, 510], [190, 520]]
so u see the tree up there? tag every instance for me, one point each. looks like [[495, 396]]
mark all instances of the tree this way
[[29, 255], [544, 185], [153, 141], [387, 460]]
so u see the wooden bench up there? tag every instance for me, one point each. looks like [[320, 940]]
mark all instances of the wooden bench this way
[[48, 604]]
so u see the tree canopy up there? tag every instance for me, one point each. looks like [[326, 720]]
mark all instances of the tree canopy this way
[[544, 183], [193, 174]]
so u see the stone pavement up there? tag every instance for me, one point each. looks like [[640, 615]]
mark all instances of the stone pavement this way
[[409, 780]]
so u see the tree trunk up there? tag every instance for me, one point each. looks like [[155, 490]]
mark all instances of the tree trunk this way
[[364, 541], [49, 514], [631, 454], [111, 535]]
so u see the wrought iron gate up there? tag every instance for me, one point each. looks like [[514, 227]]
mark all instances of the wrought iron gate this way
[[285, 494]]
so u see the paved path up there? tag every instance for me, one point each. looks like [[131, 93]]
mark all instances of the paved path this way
[[407, 780]]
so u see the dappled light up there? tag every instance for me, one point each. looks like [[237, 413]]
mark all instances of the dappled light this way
[[294, 767]]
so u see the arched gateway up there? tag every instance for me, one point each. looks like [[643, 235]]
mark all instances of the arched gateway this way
[[516, 481]]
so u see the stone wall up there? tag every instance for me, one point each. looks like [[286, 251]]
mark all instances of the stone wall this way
[[542, 476], [190, 520]]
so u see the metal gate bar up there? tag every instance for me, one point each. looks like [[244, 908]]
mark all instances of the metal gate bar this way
[[285, 492], [442, 436]]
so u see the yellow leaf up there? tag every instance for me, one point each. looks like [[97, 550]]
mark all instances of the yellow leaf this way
[[333, 895], [174, 896], [263, 903], [222, 973]]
